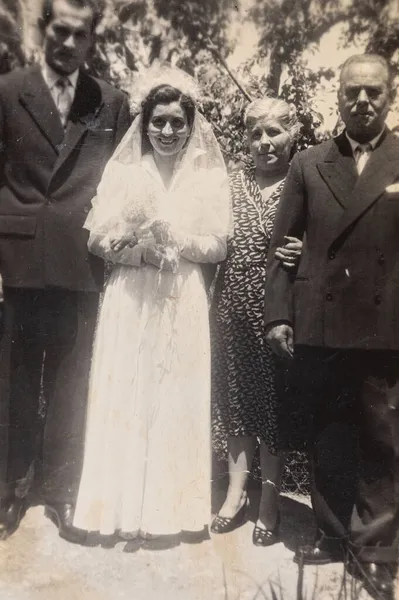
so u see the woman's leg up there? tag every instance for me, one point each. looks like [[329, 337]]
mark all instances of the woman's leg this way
[[240, 455], [271, 470]]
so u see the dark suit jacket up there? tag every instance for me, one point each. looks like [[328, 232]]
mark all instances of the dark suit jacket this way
[[48, 178], [346, 291]]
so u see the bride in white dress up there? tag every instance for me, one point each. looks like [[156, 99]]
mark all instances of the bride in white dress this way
[[162, 209]]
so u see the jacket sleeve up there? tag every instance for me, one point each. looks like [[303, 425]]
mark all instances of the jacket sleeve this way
[[290, 220], [2, 144]]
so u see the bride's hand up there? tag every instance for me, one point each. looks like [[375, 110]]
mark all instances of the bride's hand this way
[[157, 258], [119, 242]]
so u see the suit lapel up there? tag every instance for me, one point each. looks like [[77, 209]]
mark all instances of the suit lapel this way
[[84, 114], [339, 170], [381, 170], [37, 100]]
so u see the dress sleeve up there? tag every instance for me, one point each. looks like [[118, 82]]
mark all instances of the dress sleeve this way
[[100, 245], [204, 248]]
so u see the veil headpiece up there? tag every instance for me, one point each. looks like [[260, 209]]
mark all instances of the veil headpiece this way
[[157, 75], [200, 181]]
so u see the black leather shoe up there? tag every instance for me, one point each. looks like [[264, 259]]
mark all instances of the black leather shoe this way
[[12, 512], [225, 524], [266, 537], [323, 552], [378, 579], [62, 517]]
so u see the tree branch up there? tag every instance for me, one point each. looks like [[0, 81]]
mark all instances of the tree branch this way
[[222, 61]]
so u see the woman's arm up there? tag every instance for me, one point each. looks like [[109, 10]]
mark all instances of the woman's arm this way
[[204, 248]]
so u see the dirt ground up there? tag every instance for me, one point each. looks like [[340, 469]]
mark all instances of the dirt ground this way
[[38, 565]]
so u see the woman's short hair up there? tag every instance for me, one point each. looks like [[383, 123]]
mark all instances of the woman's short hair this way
[[97, 7], [274, 108], [166, 94]]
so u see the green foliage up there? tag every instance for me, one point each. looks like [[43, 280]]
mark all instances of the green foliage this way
[[287, 28], [135, 34], [199, 21], [378, 21], [299, 89]]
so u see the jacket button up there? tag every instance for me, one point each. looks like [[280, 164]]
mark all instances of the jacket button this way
[[331, 255], [377, 299], [329, 296], [381, 259], [86, 210]]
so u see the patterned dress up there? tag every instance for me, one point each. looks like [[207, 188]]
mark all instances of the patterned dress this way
[[244, 370]]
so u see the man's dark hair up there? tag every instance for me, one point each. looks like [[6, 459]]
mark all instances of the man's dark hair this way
[[166, 94], [97, 7]]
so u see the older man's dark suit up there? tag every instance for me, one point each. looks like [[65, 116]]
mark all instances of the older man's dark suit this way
[[51, 283], [343, 305]]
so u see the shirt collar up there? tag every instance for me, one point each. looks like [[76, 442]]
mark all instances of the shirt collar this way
[[354, 144], [51, 77]]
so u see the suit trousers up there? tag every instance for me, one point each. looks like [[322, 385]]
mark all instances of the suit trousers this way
[[46, 355], [350, 399]]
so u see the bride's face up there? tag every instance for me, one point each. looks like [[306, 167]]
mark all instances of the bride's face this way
[[168, 128]]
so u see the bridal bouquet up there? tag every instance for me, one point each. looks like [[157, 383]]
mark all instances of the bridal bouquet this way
[[140, 224], [158, 237]]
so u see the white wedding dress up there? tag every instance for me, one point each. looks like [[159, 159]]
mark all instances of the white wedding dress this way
[[147, 462]]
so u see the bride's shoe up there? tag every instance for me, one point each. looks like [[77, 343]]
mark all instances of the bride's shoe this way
[[148, 536], [129, 535]]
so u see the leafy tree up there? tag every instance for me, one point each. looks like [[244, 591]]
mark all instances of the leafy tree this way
[[135, 34], [378, 21], [289, 27]]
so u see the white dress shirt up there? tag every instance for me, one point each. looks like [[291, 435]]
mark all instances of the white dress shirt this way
[[361, 152], [51, 78]]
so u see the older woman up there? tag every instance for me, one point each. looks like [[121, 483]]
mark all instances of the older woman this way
[[245, 403]]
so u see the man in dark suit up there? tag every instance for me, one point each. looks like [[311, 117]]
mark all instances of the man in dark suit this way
[[339, 315], [58, 128]]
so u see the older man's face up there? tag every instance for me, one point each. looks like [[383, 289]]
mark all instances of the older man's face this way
[[364, 99]]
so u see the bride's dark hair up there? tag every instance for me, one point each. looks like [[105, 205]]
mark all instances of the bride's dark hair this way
[[166, 94]]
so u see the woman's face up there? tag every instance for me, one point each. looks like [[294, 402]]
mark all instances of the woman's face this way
[[168, 128], [270, 145]]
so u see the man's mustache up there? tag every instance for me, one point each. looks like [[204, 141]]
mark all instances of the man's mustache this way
[[362, 113]]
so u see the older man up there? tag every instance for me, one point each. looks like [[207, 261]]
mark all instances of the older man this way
[[340, 317], [58, 127]]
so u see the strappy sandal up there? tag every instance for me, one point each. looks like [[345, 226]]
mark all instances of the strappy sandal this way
[[226, 524], [266, 537]]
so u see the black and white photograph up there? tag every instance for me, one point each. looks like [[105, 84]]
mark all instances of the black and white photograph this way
[[199, 300]]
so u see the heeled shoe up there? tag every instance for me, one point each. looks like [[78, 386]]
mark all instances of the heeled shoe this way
[[62, 516], [12, 512], [226, 524], [266, 537]]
